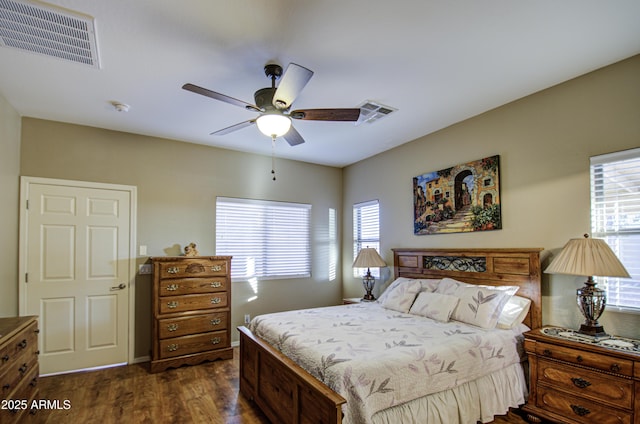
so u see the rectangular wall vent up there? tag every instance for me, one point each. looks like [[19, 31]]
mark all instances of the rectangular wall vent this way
[[371, 112], [49, 30]]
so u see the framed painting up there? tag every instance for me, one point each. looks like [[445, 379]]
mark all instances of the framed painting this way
[[459, 199]]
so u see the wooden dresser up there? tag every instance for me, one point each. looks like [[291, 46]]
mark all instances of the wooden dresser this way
[[18, 367], [191, 310], [579, 382]]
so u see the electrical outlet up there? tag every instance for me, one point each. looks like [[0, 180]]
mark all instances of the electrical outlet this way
[[247, 318]]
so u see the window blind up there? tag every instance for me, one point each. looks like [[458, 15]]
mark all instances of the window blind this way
[[615, 217], [366, 231], [266, 239]]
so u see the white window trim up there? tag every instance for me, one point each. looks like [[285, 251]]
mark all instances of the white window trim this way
[[620, 231], [360, 242]]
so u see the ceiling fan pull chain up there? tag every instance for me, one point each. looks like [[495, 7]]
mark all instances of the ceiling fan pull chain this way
[[273, 157]]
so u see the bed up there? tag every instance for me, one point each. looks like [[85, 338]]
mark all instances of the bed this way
[[475, 375]]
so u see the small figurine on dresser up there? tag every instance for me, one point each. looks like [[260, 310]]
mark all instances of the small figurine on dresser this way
[[190, 250]]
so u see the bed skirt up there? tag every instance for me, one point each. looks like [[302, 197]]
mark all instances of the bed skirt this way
[[478, 400]]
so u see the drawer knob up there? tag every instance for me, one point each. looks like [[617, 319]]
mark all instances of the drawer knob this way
[[172, 305], [172, 347], [216, 284], [579, 358], [580, 382], [23, 369], [580, 410], [216, 321], [172, 287], [22, 344], [34, 382], [172, 327], [215, 300], [5, 358], [6, 387], [615, 367], [173, 270], [216, 268], [546, 352], [215, 340]]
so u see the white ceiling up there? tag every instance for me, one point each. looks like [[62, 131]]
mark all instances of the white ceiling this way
[[437, 61]]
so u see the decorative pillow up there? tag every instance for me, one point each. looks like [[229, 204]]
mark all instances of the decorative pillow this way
[[450, 286], [429, 284], [481, 305], [391, 286], [514, 312], [402, 295], [434, 305]]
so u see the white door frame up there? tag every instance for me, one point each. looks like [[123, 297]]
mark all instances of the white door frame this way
[[25, 181]]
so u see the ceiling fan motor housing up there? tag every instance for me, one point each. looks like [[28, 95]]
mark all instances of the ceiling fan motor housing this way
[[264, 99]]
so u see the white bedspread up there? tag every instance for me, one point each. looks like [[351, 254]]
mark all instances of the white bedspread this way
[[377, 358]]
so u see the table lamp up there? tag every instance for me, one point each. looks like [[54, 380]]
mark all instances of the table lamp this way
[[588, 257], [368, 257]]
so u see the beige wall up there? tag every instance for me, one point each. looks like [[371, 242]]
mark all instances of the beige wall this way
[[544, 142], [9, 177], [177, 185]]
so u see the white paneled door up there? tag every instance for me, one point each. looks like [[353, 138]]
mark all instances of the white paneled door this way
[[77, 260]]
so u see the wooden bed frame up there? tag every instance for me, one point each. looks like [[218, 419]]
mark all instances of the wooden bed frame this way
[[288, 394]]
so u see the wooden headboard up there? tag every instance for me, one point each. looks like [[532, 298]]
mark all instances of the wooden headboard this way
[[495, 267]]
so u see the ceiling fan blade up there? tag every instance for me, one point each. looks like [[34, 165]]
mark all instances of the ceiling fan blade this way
[[291, 84], [351, 114], [235, 127], [293, 137], [223, 98]]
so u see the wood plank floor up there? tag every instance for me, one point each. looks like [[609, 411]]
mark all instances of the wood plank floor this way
[[207, 393]]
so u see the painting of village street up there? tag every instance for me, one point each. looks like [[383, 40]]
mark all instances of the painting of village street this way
[[459, 199]]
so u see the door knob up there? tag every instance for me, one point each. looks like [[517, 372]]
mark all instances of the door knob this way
[[121, 286]]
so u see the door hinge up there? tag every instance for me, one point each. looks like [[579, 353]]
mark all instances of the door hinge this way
[[27, 204], [26, 277]]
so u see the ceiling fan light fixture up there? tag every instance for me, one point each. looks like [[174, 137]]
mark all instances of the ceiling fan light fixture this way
[[273, 124]]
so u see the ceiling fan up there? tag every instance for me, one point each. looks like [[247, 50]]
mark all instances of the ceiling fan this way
[[273, 104]]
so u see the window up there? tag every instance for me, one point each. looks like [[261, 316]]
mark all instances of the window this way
[[266, 239], [366, 231], [615, 217]]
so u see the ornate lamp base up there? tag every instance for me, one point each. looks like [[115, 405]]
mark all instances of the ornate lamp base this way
[[591, 301], [368, 281]]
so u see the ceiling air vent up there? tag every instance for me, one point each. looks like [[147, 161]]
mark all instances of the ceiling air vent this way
[[49, 30], [371, 112]]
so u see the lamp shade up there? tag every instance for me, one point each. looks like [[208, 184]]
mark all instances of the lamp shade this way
[[368, 257], [587, 257], [273, 124]]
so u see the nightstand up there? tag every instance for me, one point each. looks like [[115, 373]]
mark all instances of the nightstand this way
[[576, 379]]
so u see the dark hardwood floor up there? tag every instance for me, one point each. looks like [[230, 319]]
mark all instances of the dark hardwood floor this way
[[207, 393]]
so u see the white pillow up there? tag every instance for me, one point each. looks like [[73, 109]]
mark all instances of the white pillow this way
[[401, 296], [514, 312], [391, 286], [429, 284], [481, 305], [450, 286], [434, 305]]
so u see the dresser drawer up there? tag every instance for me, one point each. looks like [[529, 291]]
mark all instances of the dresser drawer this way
[[175, 327], [579, 409], [192, 302], [21, 367], [25, 393], [584, 383], [587, 359], [25, 341], [185, 345], [180, 286], [193, 268]]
